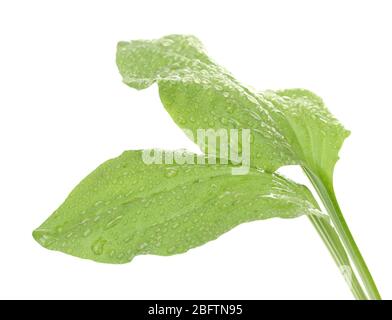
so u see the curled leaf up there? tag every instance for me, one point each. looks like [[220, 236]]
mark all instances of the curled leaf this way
[[287, 127]]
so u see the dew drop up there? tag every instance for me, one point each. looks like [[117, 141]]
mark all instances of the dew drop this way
[[112, 253], [181, 121], [230, 109], [223, 120], [87, 233], [129, 239], [98, 203], [171, 173], [214, 186], [98, 246], [44, 237], [142, 245], [84, 221], [113, 222]]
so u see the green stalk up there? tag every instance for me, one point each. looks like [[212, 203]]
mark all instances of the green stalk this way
[[336, 249], [327, 196]]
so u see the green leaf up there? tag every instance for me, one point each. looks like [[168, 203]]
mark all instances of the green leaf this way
[[287, 127], [127, 208]]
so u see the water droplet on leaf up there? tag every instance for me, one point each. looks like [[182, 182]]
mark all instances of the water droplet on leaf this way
[[98, 203], [87, 233], [171, 172], [113, 222], [98, 246]]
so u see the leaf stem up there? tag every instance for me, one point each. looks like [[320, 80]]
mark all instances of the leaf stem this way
[[336, 249], [329, 200]]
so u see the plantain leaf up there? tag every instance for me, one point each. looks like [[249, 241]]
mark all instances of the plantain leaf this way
[[127, 207], [287, 127]]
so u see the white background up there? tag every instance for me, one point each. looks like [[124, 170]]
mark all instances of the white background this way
[[64, 110]]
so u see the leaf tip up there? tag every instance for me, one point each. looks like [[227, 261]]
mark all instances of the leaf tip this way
[[44, 237]]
